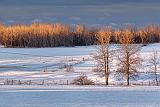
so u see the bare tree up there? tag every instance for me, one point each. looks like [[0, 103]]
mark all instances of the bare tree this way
[[128, 56], [154, 61], [103, 52]]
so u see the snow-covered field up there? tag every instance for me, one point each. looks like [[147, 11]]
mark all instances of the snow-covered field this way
[[78, 96], [30, 63]]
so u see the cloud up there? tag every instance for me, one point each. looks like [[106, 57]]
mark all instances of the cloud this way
[[10, 21], [37, 20], [74, 18], [113, 24], [72, 2], [92, 11]]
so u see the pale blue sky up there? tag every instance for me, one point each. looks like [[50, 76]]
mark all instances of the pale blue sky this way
[[95, 12]]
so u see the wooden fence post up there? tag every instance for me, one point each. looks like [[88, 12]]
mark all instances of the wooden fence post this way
[[12, 82], [67, 82], [43, 82]]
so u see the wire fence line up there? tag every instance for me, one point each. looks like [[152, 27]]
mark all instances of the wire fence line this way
[[70, 82], [35, 82]]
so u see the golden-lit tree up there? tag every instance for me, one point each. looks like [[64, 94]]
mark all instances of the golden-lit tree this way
[[128, 56], [103, 56]]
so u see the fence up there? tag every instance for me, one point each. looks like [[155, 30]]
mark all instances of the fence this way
[[69, 82], [33, 82]]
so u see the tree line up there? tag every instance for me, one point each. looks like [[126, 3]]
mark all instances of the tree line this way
[[57, 34]]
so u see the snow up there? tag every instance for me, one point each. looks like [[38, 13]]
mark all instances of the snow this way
[[78, 96], [30, 88], [30, 63]]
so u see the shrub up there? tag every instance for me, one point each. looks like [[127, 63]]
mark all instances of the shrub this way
[[83, 80]]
